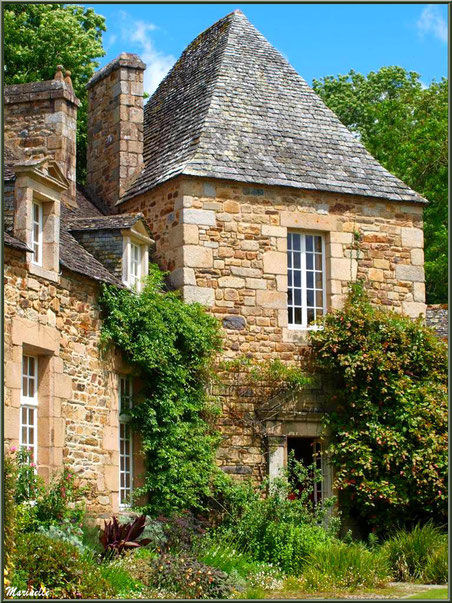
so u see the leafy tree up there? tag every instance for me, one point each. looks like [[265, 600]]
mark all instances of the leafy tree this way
[[389, 424], [38, 37], [172, 345], [404, 126]]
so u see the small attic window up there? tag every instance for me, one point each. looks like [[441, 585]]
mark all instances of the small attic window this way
[[135, 261]]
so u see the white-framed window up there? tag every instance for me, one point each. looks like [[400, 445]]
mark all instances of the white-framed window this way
[[125, 442], [135, 261], [135, 264], [318, 464], [37, 232], [306, 298], [28, 430]]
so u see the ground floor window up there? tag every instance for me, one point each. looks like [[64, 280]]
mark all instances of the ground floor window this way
[[28, 430], [309, 452], [125, 441]]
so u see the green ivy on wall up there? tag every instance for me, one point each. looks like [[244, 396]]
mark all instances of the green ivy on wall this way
[[172, 345]]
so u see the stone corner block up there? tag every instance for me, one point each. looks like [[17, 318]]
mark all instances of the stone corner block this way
[[196, 256], [407, 272], [201, 295], [414, 309], [201, 217], [180, 277], [412, 237]]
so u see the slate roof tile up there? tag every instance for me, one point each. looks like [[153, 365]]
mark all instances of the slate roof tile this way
[[232, 107]]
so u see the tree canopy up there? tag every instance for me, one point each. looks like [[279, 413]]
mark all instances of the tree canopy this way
[[403, 124], [38, 37]]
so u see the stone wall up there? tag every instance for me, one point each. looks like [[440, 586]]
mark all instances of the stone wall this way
[[437, 318], [41, 119], [8, 206], [115, 128], [225, 245], [105, 245], [78, 383]]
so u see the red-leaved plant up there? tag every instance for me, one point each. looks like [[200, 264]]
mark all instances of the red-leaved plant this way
[[117, 538]]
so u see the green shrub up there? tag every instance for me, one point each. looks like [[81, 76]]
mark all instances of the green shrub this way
[[280, 529], [388, 429], [120, 579], [411, 553], [9, 518], [58, 567], [345, 566]]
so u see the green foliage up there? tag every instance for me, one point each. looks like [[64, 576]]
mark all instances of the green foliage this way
[[60, 502], [419, 555], [66, 532], [404, 126], [59, 567], [38, 37], [9, 517], [345, 566], [281, 529], [388, 429], [172, 345]]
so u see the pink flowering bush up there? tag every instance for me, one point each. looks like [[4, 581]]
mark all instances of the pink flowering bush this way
[[41, 505]]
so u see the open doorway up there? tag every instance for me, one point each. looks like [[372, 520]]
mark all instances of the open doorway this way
[[309, 452]]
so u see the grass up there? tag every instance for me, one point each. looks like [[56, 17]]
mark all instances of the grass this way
[[432, 593], [419, 555]]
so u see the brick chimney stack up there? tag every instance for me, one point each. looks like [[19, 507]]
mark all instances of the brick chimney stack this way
[[41, 119], [115, 127]]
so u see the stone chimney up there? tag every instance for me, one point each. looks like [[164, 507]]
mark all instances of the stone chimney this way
[[40, 118], [115, 127]]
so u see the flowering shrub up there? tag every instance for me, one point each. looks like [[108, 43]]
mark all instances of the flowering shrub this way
[[189, 578], [389, 425], [43, 505], [59, 568]]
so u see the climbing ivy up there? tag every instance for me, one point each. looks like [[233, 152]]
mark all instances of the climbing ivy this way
[[389, 427], [172, 345]]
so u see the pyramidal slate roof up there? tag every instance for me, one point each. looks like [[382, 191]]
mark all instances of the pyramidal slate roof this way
[[232, 107]]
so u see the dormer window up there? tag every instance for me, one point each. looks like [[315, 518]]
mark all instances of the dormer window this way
[[136, 252], [135, 258], [37, 233]]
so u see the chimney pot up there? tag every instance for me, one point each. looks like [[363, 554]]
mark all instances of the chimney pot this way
[[59, 73]]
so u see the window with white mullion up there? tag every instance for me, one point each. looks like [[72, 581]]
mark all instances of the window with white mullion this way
[[125, 441], [135, 264], [28, 429], [306, 278], [37, 232]]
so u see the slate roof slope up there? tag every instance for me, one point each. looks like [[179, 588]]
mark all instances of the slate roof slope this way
[[232, 107], [73, 255], [13, 242], [114, 222]]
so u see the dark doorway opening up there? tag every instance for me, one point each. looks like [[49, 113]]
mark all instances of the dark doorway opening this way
[[307, 451]]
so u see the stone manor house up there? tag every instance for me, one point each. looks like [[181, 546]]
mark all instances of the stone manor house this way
[[237, 180]]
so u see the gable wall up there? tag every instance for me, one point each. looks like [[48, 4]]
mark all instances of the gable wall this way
[[78, 392]]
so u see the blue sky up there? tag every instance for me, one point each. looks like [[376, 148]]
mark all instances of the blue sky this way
[[317, 39]]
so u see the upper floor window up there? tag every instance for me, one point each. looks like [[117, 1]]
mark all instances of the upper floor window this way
[[29, 406], [37, 233], [306, 298], [135, 262]]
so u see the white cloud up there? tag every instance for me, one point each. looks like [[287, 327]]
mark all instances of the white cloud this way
[[158, 63], [432, 22]]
